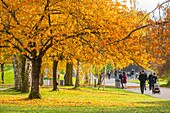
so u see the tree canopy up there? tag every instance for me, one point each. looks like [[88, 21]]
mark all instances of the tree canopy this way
[[91, 31]]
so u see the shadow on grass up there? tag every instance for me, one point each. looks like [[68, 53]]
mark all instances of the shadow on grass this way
[[11, 91], [107, 90]]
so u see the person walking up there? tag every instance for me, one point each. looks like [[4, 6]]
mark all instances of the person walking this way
[[153, 81], [150, 81], [124, 80], [121, 78], [142, 79]]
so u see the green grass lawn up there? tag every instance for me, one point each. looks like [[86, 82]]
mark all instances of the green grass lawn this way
[[161, 81], [8, 74], [84, 100], [8, 77]]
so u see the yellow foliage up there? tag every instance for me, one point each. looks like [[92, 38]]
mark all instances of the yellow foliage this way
[[89, 30]]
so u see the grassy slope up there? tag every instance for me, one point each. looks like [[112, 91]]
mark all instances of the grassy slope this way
[[85, 100]]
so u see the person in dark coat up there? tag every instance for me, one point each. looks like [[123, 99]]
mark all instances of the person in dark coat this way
[[150, 80], [153, 80], [124, 79], [121, 78], [142, 79]]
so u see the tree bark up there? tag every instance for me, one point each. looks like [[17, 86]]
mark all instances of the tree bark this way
[[17, 76], [68, 76], [86, 79], [55, 65], [27, 75], [77, 84], [15, 65], [2, 72], [36, 67], [24, 76], [99, 79]]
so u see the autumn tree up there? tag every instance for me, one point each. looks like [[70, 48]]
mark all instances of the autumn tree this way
[[24, 30], [34, 27]]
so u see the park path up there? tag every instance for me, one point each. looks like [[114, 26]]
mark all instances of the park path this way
[[133, 87], [3, 88]]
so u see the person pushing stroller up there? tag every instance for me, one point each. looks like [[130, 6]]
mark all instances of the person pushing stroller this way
[[154, 86]]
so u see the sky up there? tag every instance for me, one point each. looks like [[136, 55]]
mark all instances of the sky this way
[[148, 5]]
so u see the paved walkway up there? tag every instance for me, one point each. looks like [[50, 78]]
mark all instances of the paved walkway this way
[[3, 88], [133, 87]]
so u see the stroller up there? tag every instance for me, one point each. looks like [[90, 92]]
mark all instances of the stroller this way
[[156, 88]]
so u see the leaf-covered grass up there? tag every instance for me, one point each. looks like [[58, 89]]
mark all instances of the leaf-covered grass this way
[[85, 100]]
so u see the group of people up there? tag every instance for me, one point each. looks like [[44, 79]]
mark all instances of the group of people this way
[[123, 79], [152, 79], [143, 78]]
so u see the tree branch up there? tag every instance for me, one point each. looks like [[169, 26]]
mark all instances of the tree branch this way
[[147, 25], [153, 10], [12, 12], [19, 49], [4, 46], [42, 17]]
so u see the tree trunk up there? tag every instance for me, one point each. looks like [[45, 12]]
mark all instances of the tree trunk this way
[[41, 79], [86, 79], [99, 79], [77, 84], [55, 64], [14, 60], [2, 72], [24, 78], [68, 76], [36, 67], [27, 75], [104, 79], [17, 75]]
